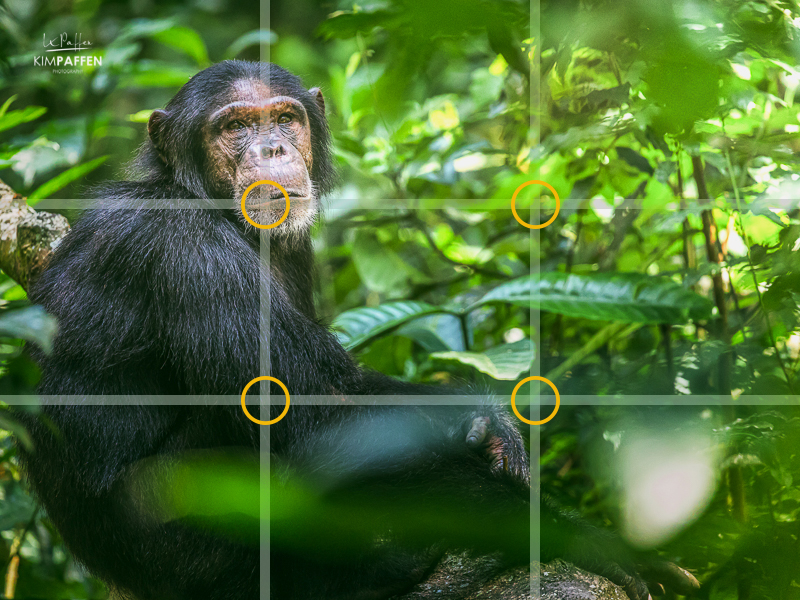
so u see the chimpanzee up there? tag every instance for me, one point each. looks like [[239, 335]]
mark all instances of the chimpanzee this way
[[166, 301]]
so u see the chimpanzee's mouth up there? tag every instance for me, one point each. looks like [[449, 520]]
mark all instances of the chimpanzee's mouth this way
[[276, 194], [277, 200]]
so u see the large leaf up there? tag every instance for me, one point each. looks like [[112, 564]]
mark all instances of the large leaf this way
[[507, 361], [358, 326], [625, 297]]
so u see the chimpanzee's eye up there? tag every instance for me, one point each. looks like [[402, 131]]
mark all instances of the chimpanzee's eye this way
[[285, 118], [235, 125]]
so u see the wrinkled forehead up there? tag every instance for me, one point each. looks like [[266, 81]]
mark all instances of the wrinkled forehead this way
[[253, 99], [251, 90]]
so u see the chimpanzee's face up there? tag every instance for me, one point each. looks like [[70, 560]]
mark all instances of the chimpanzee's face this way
[[261, 134], [217, 144]]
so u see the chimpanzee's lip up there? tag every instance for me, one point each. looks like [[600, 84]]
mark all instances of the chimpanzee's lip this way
[[277, 194], [280, 201]]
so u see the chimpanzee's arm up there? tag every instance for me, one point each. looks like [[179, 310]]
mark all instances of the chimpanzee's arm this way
[[105, 345]]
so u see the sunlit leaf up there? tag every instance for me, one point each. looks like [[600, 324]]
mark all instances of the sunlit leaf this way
[[506, 361]]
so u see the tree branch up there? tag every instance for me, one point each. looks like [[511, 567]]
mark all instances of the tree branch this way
[[27, 236]]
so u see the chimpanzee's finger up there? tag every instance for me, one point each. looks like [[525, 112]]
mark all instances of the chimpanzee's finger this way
[[478, 431]]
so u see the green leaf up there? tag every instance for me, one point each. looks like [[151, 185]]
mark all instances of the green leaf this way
[[153, 73], [65, 178], [142, 116], [17, 117], [139, 28], [381, 268], [624, 297], [185, 40], [6, 104], [436, 333], [257, 37], [12, 424], [345, 25], [31, 323], [360, 325], [507, 361]]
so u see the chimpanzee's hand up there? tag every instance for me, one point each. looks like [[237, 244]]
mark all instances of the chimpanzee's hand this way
[[493, 434]]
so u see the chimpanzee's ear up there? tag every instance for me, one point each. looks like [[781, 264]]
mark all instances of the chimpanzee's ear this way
[[155, 129], [318, 98]]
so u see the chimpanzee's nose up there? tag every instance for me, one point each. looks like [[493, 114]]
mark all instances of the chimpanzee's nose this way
[[268, 150]]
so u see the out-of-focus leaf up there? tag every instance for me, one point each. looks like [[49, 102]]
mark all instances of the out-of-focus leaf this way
[[358, 326], [6, 104], [634, 159], [9, 423], [380, 268], [152, 73], [17, 507], [216, 490], [17, 117], [507, 361], [139, 28], [65, 178], [344, 25], [681, 81], [142, 116], [185, 40], [624, 297], [257, 37], [31, 323]]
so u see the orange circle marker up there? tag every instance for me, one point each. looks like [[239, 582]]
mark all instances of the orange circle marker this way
[[276, 419], [514, 207], [276, 223], [526, 380]]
